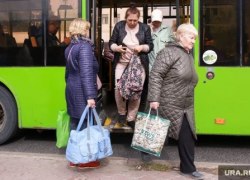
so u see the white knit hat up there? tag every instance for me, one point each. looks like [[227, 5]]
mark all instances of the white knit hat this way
[[156, 15]]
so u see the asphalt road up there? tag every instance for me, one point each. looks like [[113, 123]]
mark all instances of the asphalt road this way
[[218, 149]]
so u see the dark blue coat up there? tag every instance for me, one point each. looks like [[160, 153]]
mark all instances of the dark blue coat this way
[[81, 71]]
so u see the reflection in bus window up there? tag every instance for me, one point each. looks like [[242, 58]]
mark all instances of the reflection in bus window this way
[[16, 17], [6, 40], [23, 25], [57, 37]]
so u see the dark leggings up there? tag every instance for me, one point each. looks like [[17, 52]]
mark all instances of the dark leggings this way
[[186, 144]]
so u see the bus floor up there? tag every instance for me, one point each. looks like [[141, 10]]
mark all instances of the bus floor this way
[[108, 113]]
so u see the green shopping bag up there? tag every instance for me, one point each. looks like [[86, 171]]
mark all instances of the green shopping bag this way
[[62, 129]]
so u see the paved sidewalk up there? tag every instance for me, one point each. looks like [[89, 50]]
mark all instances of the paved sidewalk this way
[[31, 166]]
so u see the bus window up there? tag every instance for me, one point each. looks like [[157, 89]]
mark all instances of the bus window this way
[[57, 37], [22, 33], [6, 40], [16, 18], [219, 32]]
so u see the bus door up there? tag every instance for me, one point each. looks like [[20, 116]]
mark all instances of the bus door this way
[[222, 98], [108, 13], [105, 14]]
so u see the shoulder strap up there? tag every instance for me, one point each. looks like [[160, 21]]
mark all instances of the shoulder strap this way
[[70, 52], [128, 64]]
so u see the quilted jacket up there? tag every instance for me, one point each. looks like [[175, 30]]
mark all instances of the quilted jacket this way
[[81, 72], [171, 83]]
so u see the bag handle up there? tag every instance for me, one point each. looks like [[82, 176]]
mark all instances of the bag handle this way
[[132, 58], [147, 118], [90, 120], [86, 110], [98, 121]]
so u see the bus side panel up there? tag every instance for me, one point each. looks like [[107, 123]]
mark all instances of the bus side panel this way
[[39, 92], [222, 104]]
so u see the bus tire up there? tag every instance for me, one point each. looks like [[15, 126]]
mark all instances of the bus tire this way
[[8, 116]]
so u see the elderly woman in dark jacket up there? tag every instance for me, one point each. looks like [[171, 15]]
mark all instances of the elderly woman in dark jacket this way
[[171, 89], [128, 37], [81, 75]]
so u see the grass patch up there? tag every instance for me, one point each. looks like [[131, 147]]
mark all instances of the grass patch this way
[[153, 167]]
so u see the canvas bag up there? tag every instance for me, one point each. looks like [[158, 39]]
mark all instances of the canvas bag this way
[[62, 129], [150, 133], [90, 144], [130, 85]]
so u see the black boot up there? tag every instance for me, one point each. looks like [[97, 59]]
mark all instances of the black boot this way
[[131, 124], [121, 122], [122, 119]]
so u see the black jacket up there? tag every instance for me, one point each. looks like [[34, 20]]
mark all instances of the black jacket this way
[[143, 35]]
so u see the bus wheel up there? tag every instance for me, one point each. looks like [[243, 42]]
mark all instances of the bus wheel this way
[[8, 116]]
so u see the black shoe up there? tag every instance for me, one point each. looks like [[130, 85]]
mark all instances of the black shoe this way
[[131, 124], [145, 157], [122, 119]]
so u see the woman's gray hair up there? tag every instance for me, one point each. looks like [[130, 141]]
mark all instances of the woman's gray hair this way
[[79, 27], [186, 28]]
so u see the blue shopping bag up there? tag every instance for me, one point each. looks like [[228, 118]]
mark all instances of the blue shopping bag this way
[[90, 144]]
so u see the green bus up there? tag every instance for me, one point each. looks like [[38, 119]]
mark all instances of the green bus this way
[[32, 74]]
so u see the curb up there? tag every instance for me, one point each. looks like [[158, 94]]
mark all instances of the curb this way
[[132, 161], [55, 166], [61, 157]]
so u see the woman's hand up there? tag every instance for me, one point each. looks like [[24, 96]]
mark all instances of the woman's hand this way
[[121, 49], [154, 105], [138, 49], [91, 103], [127, 55]]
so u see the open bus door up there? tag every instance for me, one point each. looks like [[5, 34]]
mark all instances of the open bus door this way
[[108, 13]]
